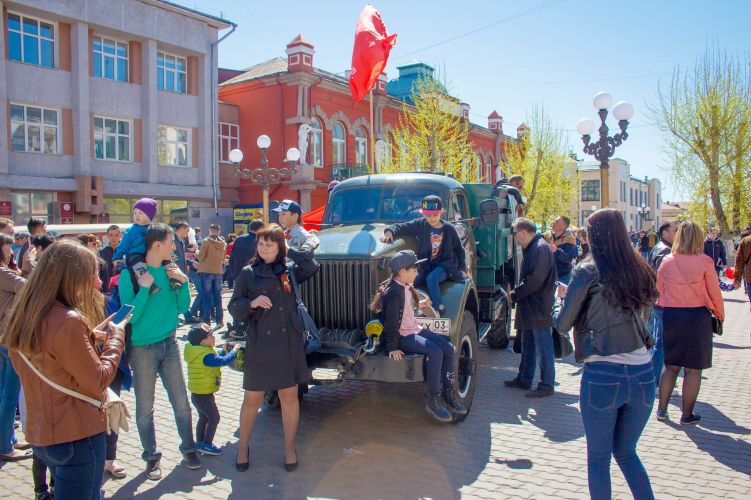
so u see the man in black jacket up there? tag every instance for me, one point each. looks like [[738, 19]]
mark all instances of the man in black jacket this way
[[244, 249], [534, 297], [715, 249], [439, 243]]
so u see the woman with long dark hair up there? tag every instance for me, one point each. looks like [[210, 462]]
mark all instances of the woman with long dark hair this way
[[606, 302], [275, 348]]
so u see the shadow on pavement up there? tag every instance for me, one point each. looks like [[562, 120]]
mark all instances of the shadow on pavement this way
[[720, 345], [734, 453]]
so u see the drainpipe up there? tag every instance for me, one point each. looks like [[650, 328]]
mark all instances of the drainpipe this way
[[215, 117]]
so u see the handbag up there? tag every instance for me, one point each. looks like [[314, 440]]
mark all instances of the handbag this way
[[310, 330], [717, 327], [116, 414]]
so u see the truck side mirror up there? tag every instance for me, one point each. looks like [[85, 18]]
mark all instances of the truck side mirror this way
[[488, 212]]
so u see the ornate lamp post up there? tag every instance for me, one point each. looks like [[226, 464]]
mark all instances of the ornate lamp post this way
[[643, 213], [604, 147], [264, 175]]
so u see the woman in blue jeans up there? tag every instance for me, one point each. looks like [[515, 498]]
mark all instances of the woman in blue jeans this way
[[52, 335], [607, 303]]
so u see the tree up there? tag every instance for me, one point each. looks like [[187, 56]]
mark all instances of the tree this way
[[704, 116], [550, 174], [431, 135]]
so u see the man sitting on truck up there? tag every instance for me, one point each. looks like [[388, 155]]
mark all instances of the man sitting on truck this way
[[439, 243], [513, 186]]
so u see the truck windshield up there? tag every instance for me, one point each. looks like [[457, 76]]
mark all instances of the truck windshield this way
[[377, 204]]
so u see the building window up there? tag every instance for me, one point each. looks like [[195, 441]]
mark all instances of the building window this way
[[316, 143], [173, 146], [478, 164], [33, 129], [110, 59], [631, 194], [229, 139], [31, 41], [111, 139], [361, 146], [623, 191], [339, 141], [590, 190], [25, 205], [171, 73]]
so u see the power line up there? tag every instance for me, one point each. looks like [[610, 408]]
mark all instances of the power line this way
[[260, 21], [517, 15]]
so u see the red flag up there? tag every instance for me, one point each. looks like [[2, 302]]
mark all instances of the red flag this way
[[370, 53]]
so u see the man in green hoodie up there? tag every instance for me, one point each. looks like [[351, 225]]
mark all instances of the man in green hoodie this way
[[153, 349]]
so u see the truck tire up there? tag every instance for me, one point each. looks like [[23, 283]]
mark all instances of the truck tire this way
[[500, 331], [466, 355]]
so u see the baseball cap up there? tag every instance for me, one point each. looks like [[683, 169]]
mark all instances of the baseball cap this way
[[404, 259], [197, 333], [289, 206], [431, 205], [21, 234]]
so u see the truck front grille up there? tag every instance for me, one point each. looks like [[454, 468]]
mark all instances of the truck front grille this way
[[338, 295]]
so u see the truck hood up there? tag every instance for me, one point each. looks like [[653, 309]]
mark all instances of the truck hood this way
[[358, 241]]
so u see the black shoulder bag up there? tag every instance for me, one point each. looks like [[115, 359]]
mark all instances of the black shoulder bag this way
[[310, 330]]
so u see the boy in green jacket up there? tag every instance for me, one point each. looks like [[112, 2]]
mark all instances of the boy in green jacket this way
[[204, 379]]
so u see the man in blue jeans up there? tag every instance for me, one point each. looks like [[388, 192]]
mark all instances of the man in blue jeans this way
[[210, 263], [659, 251], [153, 348], [534, 297]]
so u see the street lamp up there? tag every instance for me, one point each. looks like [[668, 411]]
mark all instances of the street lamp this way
[[643, 213], [604, 147], [264, 175]]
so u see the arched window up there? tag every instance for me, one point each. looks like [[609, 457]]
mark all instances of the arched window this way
[[316, 143], [340, 143], [489, 169], [478, 162], [361, 146]]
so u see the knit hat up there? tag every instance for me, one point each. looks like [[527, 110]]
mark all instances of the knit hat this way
[[147, 206], [197, 333]]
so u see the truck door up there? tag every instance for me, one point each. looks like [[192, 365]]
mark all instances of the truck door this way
[[458, 212]]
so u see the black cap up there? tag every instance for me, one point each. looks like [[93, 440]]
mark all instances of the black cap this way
[[404, 259], [431, 204], [197, 333]]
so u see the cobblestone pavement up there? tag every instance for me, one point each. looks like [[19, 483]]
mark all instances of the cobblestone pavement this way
[[371, 440]]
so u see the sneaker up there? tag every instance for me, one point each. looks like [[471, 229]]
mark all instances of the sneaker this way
[[540, 393], [44, 495], [208, 449], [194, 319], [514, 383], [436, 408], [453, 403], [191, 461], [661, 415], [234, 334], [692, 419], [153, 470]]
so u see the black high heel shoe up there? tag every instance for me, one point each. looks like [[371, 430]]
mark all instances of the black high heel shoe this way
[[293, 466], [242, 467]]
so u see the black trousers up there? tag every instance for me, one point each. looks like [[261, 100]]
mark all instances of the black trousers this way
[[208, 417]]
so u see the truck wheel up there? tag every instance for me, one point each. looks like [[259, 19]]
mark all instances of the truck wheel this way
[[499, 334], [466, 354]]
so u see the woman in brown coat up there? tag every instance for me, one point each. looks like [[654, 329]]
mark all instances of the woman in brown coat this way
[[52, 326]]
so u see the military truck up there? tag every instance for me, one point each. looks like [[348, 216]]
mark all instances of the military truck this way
[[353, 262]]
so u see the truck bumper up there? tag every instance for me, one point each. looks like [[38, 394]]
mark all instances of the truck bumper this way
[[380, 368]]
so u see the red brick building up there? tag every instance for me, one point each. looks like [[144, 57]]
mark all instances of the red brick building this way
[[289, 98]]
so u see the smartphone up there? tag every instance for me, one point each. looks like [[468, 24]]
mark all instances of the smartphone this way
[[122, 313], [561, 283]]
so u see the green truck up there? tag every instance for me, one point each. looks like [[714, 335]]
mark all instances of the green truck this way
[[353, 262]]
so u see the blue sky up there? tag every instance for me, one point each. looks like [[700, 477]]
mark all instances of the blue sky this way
[[558, 53]]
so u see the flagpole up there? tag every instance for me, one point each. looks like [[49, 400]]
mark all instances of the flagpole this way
[[372, 134]]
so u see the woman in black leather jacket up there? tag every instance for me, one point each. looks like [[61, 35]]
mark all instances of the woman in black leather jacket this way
[[610, 294]]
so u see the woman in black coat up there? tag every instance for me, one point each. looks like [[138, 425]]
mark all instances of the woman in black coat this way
[[275, 348]]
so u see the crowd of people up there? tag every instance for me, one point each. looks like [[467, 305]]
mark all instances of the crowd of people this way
[[640, 312]]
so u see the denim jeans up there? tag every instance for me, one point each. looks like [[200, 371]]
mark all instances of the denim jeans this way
[[211, 285], [658, 355], [162, 359], [9, 390], [537, 346], [616, 402], [208, 417], [77, 467], [439, 357], [433, 282]]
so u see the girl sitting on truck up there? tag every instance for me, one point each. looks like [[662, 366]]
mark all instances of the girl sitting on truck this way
[[395, 302]]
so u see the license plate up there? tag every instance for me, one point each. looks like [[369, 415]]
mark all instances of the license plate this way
[[441, 326]]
